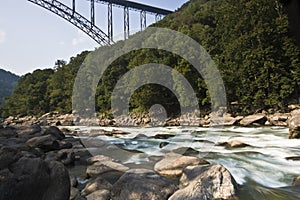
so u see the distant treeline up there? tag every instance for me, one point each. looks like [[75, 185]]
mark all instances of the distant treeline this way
[[249, 40], [8, 81]]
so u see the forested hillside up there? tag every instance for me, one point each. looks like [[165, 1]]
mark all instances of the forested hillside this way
[[8, 81], [249, 40]]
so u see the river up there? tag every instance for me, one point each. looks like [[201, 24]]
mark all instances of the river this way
[[261, 169]]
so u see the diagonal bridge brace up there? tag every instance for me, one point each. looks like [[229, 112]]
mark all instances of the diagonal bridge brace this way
[[76, 19]]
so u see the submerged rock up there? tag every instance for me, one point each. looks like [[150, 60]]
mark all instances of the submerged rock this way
[[234, 144], [206, 182]]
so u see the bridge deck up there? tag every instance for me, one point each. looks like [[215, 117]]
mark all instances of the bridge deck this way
[[138, 6]]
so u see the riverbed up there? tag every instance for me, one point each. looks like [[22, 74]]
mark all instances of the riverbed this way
[[261, 169]]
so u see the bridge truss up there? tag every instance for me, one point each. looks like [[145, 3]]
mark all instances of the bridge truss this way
[[88, 26]]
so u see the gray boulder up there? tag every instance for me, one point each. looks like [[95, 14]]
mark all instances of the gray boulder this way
[[294, 125], [205, 183], [59, 184], [173, 164]]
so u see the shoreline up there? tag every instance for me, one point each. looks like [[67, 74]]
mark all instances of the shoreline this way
[[143, 120]]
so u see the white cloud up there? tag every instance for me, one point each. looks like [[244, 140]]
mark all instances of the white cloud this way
[[2, 36], [81, 38]]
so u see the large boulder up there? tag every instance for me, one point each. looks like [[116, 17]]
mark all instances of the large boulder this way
[[26, 179], [55, 132], [46, 143], [294, 124], [206, 182], [34, 179], [142, 184], [8, 156], [59, 184], [257, 119], [173, 164]]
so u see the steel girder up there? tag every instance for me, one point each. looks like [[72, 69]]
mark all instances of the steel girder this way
[[76, 19]]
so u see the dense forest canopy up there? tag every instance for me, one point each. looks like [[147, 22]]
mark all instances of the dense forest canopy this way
[[8, 81], [250, 41]]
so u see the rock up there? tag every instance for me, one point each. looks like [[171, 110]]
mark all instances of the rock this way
[[254, 119], [234, 144], [142, 184], [8, 132], [66, 156], [28, 130], [203, 122], [279, 119], [73, 181], [172, 122], [99, 195], [95, 185], [26, 178], [103, 167], [74, 193], [225, 120], [293, 107], [163, 136], [46, 142], [99, 158], [186, 151], [206, 182], [65, 145], [15, 143], [59, 185], [173, 164], [163, 144], [294, 125], [294, 158], [296, 181], [118, 132], [55, 132], [7, 156]]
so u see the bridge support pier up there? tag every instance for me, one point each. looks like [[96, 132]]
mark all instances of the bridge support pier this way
[[143, 20], [92, 13], [126, 23], [73, 7], [158, 17], [110, 22]]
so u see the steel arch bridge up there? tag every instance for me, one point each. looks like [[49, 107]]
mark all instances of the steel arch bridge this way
[[88, 26]]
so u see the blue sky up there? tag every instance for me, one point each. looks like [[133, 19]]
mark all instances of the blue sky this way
[[34, 38]]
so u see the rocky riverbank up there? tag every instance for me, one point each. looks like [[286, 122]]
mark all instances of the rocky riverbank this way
[[290, 119], [37, 163]]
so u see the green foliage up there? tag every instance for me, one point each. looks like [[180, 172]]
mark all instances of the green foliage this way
[[7, 83], [249, 40], [44, 90]]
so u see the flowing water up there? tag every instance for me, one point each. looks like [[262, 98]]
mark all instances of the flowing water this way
[[261, 169]]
